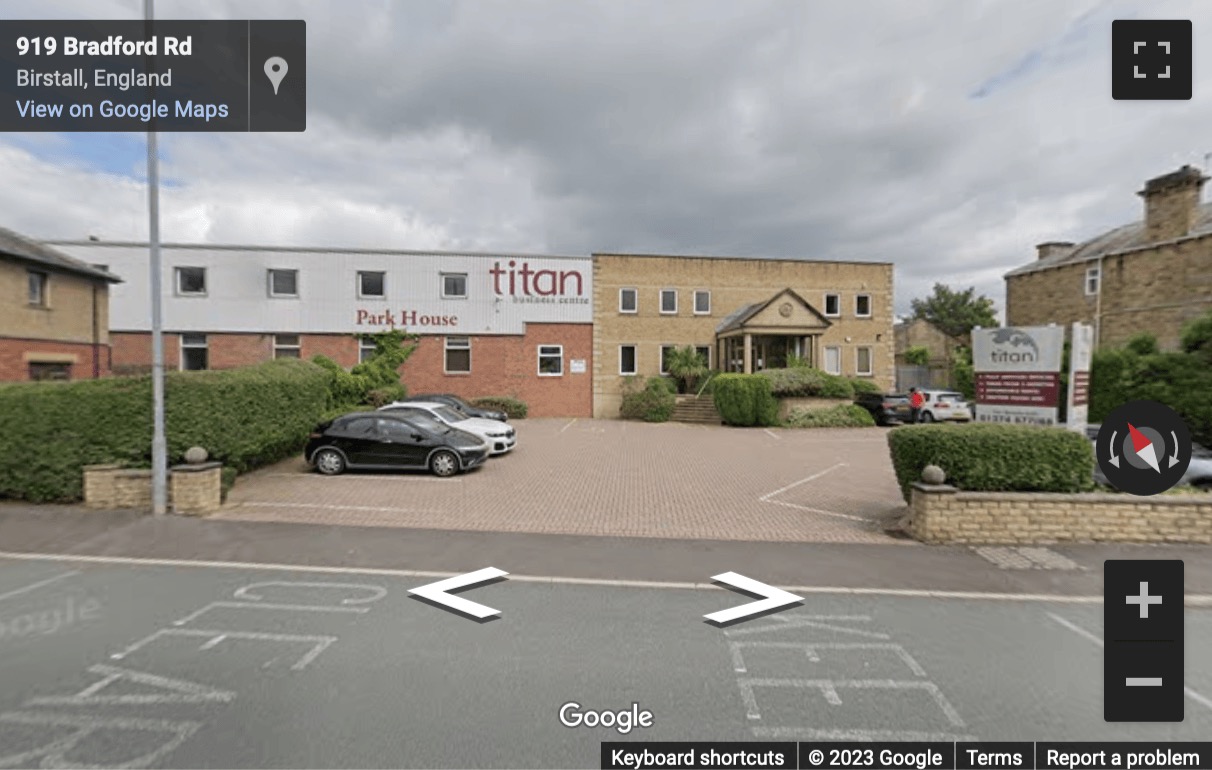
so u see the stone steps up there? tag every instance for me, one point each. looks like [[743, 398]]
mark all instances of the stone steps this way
[[696, 410]]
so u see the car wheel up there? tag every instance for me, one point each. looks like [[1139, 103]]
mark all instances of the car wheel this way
[[927, 417], [329, 462], [444, 463]]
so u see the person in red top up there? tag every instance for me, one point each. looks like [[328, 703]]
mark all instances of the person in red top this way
[[916, 401]]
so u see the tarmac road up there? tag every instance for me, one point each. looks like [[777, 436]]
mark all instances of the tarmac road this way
[[131, 664]]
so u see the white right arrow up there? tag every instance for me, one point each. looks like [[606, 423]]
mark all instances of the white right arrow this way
[[774, 598], [437, 592]]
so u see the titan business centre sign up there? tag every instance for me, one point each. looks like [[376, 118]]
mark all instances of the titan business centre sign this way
[[522, 284], [1018, 374]]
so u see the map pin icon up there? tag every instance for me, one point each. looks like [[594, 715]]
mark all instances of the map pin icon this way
[[275, 70]]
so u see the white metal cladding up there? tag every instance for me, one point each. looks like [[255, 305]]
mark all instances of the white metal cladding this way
[[503, 292]]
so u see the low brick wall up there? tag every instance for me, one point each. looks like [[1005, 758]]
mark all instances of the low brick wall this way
[[943, 514], [192, 489], [789, 405]]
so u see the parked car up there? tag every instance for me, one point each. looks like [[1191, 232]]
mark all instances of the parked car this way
[[500, 437], [459, 404], [365, 440], [1198, 475], [889, 409], [940, 405]]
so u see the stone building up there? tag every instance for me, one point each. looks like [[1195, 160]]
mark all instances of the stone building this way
[[54, 313], [1153, 275], [940, 346]]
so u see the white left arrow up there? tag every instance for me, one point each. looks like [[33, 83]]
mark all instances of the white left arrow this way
[[437, 592], [773, 598]]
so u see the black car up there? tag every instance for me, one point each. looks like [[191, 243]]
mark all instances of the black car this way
[[887, 409], [376, 440], [455, 402]]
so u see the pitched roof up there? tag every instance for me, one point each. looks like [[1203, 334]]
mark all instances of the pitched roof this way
[[737, 318], [17, 246], [1122, 238]]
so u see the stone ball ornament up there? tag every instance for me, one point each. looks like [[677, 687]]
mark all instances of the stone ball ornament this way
[[932, 474], [196, 455]]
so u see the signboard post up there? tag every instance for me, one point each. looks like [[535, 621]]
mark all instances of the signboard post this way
[[1018, 374], [1081, 349]]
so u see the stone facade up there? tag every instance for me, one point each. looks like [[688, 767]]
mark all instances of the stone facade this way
[[942, 514], [733, 284], [1154, 276], [921, 333], [192, 489]]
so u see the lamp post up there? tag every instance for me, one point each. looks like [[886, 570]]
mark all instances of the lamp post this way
[[159, 442]]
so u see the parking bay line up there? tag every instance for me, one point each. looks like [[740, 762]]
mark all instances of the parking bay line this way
[[1193, 600], [39, 584], [1092, 637]]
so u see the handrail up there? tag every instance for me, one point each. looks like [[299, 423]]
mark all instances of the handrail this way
[[709, 379]]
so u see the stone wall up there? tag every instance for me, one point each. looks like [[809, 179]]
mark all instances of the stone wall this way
[[789, 405], [192, 489], [943, 514]]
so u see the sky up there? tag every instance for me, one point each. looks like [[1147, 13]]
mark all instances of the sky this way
[[946, 136]]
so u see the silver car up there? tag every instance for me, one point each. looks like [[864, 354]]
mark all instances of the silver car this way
[[1198, 475]]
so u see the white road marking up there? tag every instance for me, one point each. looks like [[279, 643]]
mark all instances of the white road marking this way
[[829, 689], [813, 621], [39, 584], [263, 606], [1092, 637], [568, 424], [793, 485], [378, 591], [181, 691], [324, 507], [321, 643], [772, 433], [409, 478], [818, 510], [815, 734], [812, 651], [54, 754], [1192, 600], [766, 497]]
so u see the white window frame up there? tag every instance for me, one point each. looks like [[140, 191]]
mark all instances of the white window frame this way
[[269, 277], [358, 284], [661, 302], [635, 360], [298, 345], [664, 371], [442, 286], [857, 314], [825, 359], [193, 346], [447, 347], [838, 314], [697, 348], [542, 355], [635, 300], [43, 283], [1095, 274], [366, 348], [178, 272], [705, 293], [870, 361]]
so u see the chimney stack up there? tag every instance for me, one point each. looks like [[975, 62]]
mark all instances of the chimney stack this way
[[1172, 203], [1053, 248]]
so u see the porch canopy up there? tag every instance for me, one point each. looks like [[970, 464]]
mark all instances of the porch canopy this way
[[765, 335]]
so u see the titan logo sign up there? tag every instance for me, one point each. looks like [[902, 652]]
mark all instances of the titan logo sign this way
[[1014, 346], [527, 285]]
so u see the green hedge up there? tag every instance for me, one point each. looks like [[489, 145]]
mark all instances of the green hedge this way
[[840, 416], [745, 399], [802, 381], [244, 418], [863, 385], [653, 402], [994, 458], [512, 407]]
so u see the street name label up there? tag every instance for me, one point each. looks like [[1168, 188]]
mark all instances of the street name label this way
[[103, 76]]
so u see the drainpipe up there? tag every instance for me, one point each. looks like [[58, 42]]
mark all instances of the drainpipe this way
[[1098, 304], [96, 338]]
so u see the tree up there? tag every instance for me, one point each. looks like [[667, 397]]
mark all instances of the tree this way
[[955, 312], [686, 365]]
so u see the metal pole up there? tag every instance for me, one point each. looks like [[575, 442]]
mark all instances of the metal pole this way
[[159, 442]]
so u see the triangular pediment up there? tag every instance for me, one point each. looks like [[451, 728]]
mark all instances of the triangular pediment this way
[[785, 311]]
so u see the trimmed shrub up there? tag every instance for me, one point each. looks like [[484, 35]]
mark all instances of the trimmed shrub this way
[[653, 403], [244, 418], [745, 400], [863, 385], [840, 416], [801, 381], [512, 407], [994, 458]]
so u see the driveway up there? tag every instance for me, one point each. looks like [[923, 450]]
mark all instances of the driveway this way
[[615, 478]]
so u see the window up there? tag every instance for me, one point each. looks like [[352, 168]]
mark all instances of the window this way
[[669, 300], [704, 352], [627, 359], [1092, 276], [458, 355], [833, 305], [372, 284], [362, 426], [397, 429], [628, 300], [37, 288], [862, 305], [702, 302], [862, 362], [833, 360], [191, 281], [283, 283], [454, 285], [193, 352], [551, 360], [665, 351], [41, 371], [366, 350], [287, 346]]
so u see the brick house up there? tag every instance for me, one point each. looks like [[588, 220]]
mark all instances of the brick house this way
[[1153, 275], [54, 313]]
